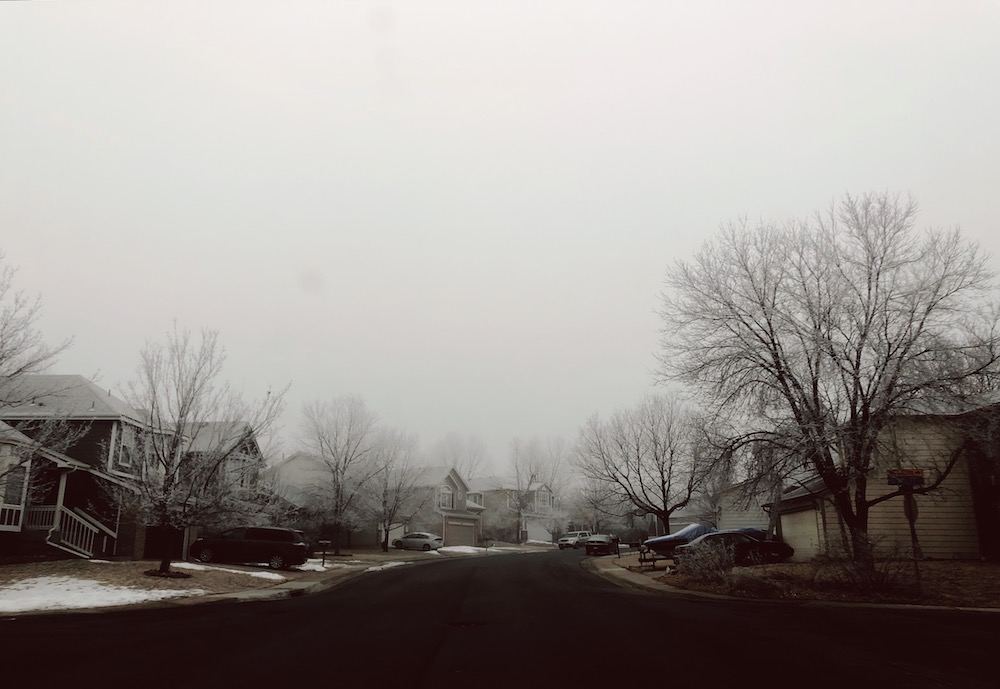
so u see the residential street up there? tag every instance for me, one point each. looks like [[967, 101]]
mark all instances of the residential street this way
[[502, 621]]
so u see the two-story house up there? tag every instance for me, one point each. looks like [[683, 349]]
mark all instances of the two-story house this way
[[516, 513], [65, 499], [445, 507], [72, 498]]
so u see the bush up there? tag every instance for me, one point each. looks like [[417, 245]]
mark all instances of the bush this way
[[889, 573], [707, 564], [716, 566]]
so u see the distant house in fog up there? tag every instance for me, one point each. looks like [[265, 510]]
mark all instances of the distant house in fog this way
[[441, 504], [500, 496]]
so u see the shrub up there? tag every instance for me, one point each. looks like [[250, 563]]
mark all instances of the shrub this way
[[889, 574], [707, 564]]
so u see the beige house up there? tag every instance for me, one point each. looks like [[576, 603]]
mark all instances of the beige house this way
[[959, 520], [442, 505]]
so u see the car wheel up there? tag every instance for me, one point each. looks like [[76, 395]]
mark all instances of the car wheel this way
[[205, 555], [277, 561], [561, 546], [427, 546], [398, 545]]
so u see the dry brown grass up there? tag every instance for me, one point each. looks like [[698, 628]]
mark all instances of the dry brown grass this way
[[956, 583], [132, 574]]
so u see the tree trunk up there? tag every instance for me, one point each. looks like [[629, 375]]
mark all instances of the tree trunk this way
[[336, 538], [165, 562]]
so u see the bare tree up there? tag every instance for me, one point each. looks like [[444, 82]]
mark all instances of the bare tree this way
[[466, 454], [22, 348], [199, 455], [648, 454], [341, 434], [391, 494], [24, 352], [820, 332], [534, 463], [598, 503]]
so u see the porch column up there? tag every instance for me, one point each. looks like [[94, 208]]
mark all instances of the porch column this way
[[56, 532]]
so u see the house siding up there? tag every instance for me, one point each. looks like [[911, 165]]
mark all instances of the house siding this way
[[735, 513], [945, 525]]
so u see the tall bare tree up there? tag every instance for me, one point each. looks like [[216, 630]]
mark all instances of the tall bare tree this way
[[820, 332], [392, 494], [465, 453], [649, 454], [341, 434], [199, 456], [23, 352]]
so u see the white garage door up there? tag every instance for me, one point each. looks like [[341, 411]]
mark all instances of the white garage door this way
[[801, 531]]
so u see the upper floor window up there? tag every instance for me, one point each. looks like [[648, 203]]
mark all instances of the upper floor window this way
[[446, 499], [543, 498]]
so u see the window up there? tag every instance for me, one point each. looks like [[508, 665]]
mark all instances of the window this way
[[12, 477], [447, 498]]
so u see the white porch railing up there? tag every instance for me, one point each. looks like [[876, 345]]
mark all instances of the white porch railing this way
[[40, 517], [75, 533], [10, 517]]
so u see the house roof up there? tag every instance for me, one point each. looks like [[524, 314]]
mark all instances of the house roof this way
[[210, 435], [73, 396], [485, 483], [438, 475]]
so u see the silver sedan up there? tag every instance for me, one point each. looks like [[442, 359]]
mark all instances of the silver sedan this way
[[418, 540]]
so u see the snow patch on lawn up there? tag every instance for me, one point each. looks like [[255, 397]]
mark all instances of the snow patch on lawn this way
[[64, 593], [387, 565], [262, 575]]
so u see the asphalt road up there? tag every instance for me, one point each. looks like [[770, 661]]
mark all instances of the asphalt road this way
[[514, 621]]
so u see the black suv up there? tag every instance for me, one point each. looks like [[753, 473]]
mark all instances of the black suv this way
[[279, 548]]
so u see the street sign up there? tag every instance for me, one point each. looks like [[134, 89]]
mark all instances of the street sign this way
[[905, 477]]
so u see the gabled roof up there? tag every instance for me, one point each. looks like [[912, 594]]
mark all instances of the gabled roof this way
[[437, 476], [72, 396]]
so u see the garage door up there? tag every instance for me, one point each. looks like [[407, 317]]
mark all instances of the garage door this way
[[801, 531], [460, 532]]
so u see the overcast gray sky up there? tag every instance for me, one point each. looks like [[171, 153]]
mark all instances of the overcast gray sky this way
[[461, 211]]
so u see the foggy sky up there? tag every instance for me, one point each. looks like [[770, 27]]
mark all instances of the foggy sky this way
[[461, 211]]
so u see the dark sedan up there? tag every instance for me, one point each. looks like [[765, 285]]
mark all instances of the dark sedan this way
[[601, 544], [745, 549], [664, 545], [279, 548]]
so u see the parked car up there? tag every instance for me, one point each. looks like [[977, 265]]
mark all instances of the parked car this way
[[310, 546], [601, 544], [418, 540], [746, 549], [664, 545], [573, 539], [279, 548]]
